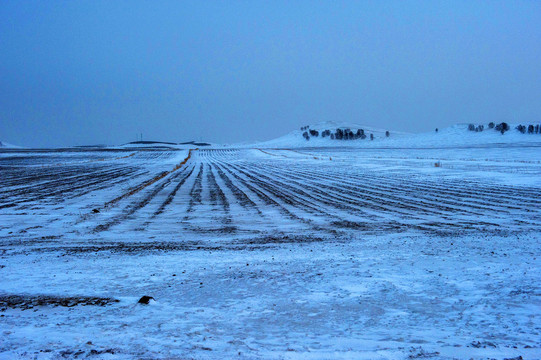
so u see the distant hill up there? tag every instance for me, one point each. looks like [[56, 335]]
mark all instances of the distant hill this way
[[149, 143], [332, 134], [5, 145]]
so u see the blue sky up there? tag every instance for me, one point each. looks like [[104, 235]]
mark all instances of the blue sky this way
[[88, 72]]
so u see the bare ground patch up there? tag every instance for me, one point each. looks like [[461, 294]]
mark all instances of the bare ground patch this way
[[25, 302]]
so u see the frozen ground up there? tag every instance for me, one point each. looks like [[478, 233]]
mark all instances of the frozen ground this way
[[298, 254]]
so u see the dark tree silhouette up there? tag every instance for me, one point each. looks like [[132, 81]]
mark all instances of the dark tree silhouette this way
[[502, 127]]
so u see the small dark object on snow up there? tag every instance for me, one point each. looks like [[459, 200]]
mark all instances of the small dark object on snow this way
[[145, 299], [95, 211], [99, 352]]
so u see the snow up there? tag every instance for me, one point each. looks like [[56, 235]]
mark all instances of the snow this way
[[454, 136], [5, 145], [353, 252]]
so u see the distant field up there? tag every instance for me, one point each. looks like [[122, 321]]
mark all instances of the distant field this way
[[271, 253]]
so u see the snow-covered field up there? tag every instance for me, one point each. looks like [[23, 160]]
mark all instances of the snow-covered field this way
[[301, 253]]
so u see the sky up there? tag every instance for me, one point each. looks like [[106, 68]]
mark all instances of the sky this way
[[101, 72]]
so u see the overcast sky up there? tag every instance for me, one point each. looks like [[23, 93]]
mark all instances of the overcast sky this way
[[93, 72]]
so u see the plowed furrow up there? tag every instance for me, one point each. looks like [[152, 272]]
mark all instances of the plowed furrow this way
[[240, 195], [195, 192], [266, 199], [217, 196], [384, 189], [173, 193], [385, 201], [69, 190], [132, 208]]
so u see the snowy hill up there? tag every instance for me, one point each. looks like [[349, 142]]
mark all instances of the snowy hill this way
[[296, 138], [5, 145], [457, 135]]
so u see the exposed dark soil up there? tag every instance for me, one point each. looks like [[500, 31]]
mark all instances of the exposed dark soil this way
[[26, 302]]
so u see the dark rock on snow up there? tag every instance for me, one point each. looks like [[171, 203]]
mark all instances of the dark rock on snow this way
[[145, 299]]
